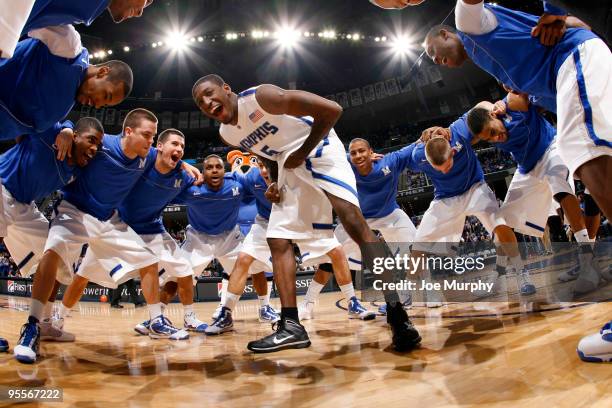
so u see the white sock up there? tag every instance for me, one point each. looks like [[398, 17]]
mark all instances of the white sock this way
[[313, 291], [517, 262], [269, 292], [263, 300], [224, 285], [582, 236], [62, 311], [502, 260], [231, 300], [155, 310], [36, 309], [188, 309], [348, 291], [47, 311]]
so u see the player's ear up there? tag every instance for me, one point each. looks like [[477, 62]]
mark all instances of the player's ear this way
[[227, 88], [102, 72]]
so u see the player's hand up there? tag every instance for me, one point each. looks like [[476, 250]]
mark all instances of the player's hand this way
[[432, 132], [193, 171], [499, 108], [295, 159], [550, 29], [63, 143], [273, 193], [376, 156]]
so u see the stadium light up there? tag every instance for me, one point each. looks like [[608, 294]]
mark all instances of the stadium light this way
[[109, 52], [126, 49], [231, 36], [287, 37], [177, 41], [401, 44]]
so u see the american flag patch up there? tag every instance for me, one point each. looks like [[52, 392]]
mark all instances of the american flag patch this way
[[255, 116]]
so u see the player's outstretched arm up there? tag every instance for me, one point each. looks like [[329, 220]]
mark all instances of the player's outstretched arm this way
[[518, 102], [325, 114], [193, 171]]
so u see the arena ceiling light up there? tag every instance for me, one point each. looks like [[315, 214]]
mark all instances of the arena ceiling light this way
[[231, 36], [177, 41], [402, 44], [287, 37]]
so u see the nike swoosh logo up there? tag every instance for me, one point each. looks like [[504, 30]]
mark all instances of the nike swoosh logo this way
[[277, 341]]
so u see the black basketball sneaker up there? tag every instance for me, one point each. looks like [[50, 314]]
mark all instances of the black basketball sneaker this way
[[405, 335], [289, 334]]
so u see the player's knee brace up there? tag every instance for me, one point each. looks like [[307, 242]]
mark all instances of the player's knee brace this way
[[327, 267]]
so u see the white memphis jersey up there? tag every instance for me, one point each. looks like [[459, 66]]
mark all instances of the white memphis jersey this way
[[270, 136]]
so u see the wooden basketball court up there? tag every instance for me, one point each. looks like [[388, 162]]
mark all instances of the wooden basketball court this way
[[478, 359]]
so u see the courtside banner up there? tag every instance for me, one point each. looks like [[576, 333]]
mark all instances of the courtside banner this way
[[486, 272], [207, 289]]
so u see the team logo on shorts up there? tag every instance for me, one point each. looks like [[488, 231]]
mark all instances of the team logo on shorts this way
[[386, 171]]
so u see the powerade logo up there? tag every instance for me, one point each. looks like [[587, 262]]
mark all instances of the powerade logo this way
[[11, 286]]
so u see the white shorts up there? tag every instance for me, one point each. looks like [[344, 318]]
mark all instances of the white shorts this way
[[115, 253], [13, 16], [305, 212], [395, 227], [25, 232], [528, 201], [584, 104], [313, 252], [445, 218], [202, 248], [173, 261]]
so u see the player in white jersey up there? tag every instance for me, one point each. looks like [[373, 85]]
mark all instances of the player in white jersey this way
[[294, 129], [255, 256]]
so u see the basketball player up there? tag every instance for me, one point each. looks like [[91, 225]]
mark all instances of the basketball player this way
[[396, 4], [518, 129], [142, 211], [246, 217], [31, 171], [598, 14], [377, 191], [18, 18], [88, 214], [460, 190], [577, 71], [294, 129], [255, 255], [38, 89]]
